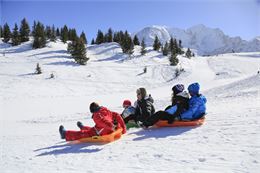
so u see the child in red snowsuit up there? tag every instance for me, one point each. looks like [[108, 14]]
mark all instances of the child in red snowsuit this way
[[106, 122]]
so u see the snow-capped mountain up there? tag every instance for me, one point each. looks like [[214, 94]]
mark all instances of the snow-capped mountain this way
[[207, 41]]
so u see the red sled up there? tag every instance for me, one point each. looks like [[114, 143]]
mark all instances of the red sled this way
[[197, 122]]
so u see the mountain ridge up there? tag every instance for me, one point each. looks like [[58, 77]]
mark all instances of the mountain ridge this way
[[208, 41]]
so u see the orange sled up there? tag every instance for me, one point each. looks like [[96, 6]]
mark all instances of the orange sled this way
[[102, 139], [180, 123]]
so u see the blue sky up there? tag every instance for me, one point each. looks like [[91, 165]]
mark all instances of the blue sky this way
[[233, 17]]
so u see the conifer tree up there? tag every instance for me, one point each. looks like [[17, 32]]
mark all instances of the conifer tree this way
[[100, 37], [143, 48], [72, 35], [173, 59], [48, 32], [109, 36], [165, 50], [156, 44], [127, 44], [1, 32], [64, 34], [83, 37], [180, 44], [78, 51], [34, 27], [38, 69], [188, 53], [92, 41], [136, 40], [39, 36], [53, 33], [6, 33], [57, 32], [16, 39], [24, 31]]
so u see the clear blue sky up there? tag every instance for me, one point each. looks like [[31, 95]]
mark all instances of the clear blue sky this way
[[234, 17]]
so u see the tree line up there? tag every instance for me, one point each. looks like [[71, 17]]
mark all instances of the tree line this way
[[76, 44]]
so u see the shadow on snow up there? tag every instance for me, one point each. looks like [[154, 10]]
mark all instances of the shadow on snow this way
[[162, 132], [68, 148]]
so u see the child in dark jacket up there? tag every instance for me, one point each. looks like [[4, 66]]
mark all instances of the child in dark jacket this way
[[180, 100], [144, 105]]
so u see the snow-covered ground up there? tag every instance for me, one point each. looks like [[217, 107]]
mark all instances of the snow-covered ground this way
[[33, 106]]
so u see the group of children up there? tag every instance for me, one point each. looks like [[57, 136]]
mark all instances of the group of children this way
[[185, 107]]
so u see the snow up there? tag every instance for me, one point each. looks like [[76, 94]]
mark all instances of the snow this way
[[33, 107]]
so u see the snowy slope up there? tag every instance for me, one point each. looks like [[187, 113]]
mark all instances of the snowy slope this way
[[208, 41], [33, 107]]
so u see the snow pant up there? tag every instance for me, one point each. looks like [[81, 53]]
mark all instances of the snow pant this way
[[71, 135], [160, 115]]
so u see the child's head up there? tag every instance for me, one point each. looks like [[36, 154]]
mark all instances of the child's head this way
[[194, 89], [126, 103], [176, 89], [94, 107], [141, 93]]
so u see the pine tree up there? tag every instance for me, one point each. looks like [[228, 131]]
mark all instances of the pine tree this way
[[143, 46], [83, 37], [39, 36], [92, 41], [100, 37], [16, 39], [136, 40], [109, 36], [34, 27], [72, 35], [127, 44], [6, 33], [53, 33], [78, 51], [64, 34], [58, 32], [165, 50], [1, 32], [173, 59], [188, 53], [180, 44], [38, 69], [156, 44], [24, 31], [48, 32]]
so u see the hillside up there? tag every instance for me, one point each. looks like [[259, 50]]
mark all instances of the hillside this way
[[33, 107]]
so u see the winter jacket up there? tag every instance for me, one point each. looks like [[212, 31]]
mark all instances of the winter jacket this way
[[197, 108], [104, 120], [144, 109]]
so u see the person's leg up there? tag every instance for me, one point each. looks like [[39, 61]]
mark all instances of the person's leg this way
[[71, 135], [160, 115]]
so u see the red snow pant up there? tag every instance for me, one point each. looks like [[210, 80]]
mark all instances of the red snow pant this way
[[86, 131]]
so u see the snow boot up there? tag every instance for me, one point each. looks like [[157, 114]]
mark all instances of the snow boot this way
[[80, 125], [62, 131]]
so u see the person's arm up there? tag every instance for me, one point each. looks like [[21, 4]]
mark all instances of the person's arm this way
[[120, 121]]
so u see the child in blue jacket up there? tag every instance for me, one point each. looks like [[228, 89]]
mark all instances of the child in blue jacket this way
[[197, 104]]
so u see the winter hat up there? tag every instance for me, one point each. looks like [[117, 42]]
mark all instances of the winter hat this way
[[142, 92], [94, 107], [177, 89], [194, 88], [127, 103]]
